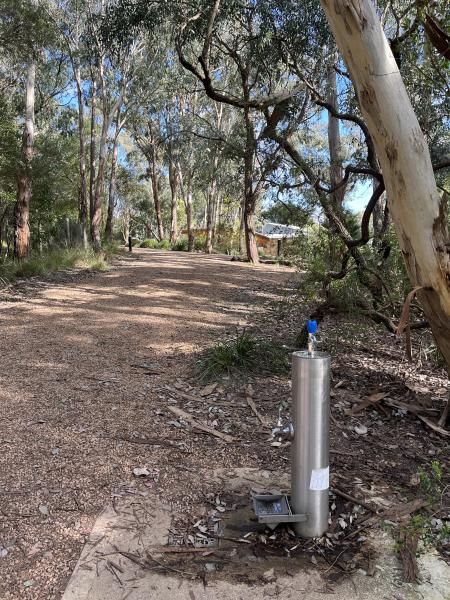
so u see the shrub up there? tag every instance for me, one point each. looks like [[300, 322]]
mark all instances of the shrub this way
[[181, 245], [200, 242], [149, 244], [164, 245]]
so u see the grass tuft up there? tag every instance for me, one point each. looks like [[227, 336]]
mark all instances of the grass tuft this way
[[52, 261], [244, 354]]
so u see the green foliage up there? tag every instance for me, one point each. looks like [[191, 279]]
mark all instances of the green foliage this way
[[244, 354], [431, 481], [164, 245], [200, 242], [51, 261], [425, 527], [25, 28], [109, 249], [288, 213], [149, 244], [317, 251], [181, 245]]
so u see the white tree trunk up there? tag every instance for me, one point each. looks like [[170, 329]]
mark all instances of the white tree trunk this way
[[414, 202], [334, 137]]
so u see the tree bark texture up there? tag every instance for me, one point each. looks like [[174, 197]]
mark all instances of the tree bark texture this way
[[191, 237], [24, 177], [154, 180], [211, 206], [108, 114], [250, 195], [334, 138], [173, 180], [112, 189], [82, 191], [414, 203], [93, 149]]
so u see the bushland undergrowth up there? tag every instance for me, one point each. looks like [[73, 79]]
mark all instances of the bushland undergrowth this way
[[50, 261]]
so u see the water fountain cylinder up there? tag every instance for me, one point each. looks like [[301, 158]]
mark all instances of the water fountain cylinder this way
[[310, 447]]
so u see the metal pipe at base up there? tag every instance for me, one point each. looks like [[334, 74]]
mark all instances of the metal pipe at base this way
[[310, 447]]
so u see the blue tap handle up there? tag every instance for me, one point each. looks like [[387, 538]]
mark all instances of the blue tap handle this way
[[312, 327]]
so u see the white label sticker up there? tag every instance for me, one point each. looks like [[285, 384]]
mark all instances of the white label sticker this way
[[320, 479]]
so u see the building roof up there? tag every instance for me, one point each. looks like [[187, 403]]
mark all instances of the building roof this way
[[278, 231]]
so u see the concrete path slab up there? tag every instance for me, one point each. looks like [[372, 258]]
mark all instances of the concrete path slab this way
[[116, 565]]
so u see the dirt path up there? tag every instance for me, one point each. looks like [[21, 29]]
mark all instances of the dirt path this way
[[84, 364]]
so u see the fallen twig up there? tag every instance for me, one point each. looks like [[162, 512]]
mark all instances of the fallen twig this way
[[168, 568], [434, 426], [344, 453], [180, 550], [252, 405], [112, 569], [369, 401], [394, 512], [147, 442], [185, 396], [350, 498], [190, 419], [415, 409], [133, 558], [230, 539], [444, 416], [335, 560]]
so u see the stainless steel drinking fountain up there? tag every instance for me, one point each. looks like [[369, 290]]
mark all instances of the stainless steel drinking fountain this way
[[307, 506]]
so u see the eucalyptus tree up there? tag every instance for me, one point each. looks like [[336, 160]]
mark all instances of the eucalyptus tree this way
[[414, 202], [145, 129], [113, 71], [119, 124], [9, 157], [188, 165], [231, 37], [70, 18], [24, 34]]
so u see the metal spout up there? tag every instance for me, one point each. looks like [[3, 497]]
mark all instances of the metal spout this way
[[285, 433]]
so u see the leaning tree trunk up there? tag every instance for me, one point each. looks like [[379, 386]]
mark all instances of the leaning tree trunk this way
[[24, 181], [413, 199]]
